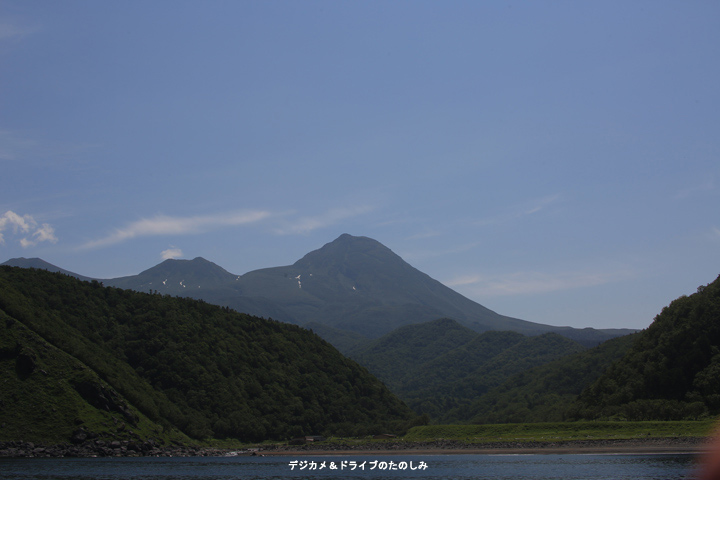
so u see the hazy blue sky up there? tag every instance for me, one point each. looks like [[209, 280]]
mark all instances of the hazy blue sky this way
[[557, 161]]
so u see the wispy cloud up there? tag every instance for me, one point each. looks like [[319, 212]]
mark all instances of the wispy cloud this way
[[520, 283], [538, 205], [521, 210], [305, 225], [425, 235], [27, 228], [171, 253], [168, 225]]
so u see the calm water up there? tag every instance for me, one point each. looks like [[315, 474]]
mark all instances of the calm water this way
[[451, 467]]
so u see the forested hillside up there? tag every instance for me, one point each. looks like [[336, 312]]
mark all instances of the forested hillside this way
[[49, 396], [205, 370], [78, 355], [671, 372], [544, 393], [440, 366]]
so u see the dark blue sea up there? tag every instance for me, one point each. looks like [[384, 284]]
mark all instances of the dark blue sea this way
[[359, 467]]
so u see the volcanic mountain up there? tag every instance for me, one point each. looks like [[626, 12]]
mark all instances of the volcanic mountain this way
[[353, 286], [356, 284]]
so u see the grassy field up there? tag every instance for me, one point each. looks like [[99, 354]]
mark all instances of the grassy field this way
[[560, 431]]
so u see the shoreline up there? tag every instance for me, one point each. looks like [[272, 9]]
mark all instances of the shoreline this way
[[89, 449], [680, 445]]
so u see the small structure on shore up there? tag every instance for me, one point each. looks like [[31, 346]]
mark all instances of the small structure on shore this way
[[297, 441]]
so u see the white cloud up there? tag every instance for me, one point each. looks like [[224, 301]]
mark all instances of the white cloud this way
[[332, 216], [45, 234], [27, 227], [520, 283], [172, 253], [168, 225], [19, 223]]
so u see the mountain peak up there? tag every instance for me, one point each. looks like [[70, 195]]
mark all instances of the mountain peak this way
[[177, 276], [345, 237], [34, 262], [348, 249], [198, 265], [23, 262]]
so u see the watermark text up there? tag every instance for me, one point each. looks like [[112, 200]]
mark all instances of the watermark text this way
[[311, 465]]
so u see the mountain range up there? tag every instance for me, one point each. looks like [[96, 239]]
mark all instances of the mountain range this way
[[76, 353], [348, 291]]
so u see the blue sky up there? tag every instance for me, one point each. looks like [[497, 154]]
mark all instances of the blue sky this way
[[554, 161]]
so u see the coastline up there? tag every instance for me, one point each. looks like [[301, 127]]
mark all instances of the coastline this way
[[89, 449], [679, 445]]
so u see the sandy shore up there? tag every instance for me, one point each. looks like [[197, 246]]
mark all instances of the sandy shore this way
[[683, 445]]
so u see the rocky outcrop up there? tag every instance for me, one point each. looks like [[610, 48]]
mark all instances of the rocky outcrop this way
[[106, 399], [25, 363]]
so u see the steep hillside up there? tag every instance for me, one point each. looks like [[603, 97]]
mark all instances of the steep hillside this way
[[671, 372], [50, 396], [205, 370]]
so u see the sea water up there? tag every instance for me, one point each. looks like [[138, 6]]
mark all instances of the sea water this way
[[359, 467]]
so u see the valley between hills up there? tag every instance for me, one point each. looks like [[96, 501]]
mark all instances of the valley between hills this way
[[348, 341]]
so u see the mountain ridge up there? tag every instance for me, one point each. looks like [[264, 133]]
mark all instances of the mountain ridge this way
[[36, 262], [354, 285]]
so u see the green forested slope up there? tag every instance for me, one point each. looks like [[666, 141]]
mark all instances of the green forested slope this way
[[46, 395], [403, 353], [205, 370], [447, 398], [441, 366], [672, 371], [544, 393]]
